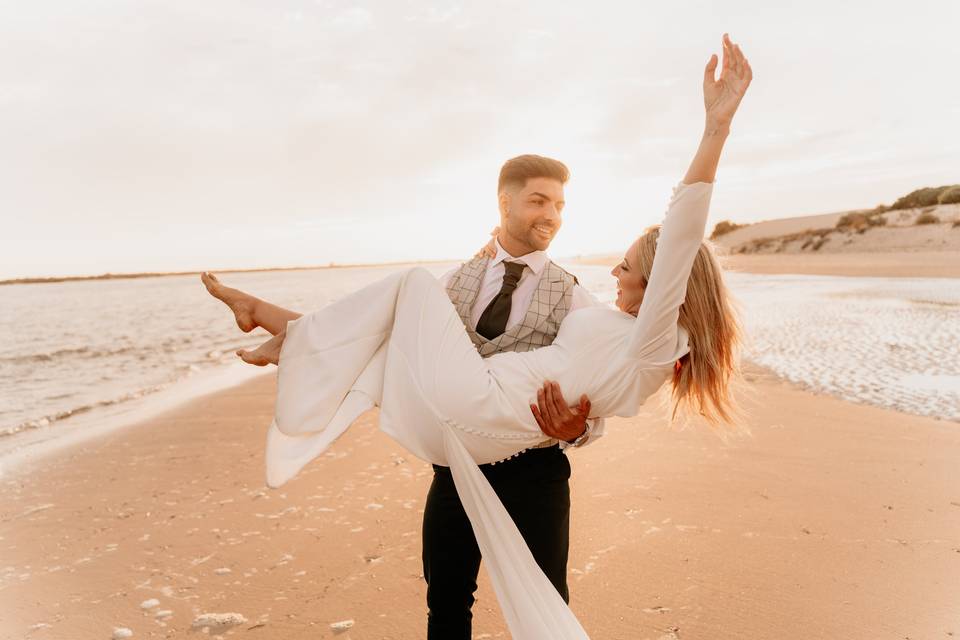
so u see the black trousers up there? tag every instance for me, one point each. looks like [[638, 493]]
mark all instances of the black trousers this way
[[534, 487]]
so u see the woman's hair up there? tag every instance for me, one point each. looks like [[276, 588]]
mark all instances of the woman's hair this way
[[703, 378]]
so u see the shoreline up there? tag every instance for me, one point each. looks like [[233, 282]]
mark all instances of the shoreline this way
[[161, 274], [901, 264], [830, 512]]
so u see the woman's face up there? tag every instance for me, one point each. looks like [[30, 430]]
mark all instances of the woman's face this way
[[630, 283]]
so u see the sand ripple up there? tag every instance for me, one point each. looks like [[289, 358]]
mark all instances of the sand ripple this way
[[891, 342]]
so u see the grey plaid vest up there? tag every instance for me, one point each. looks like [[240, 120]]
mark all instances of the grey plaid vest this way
[[549, 305]]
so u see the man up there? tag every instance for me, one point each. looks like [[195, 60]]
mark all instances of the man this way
[[512, 300]]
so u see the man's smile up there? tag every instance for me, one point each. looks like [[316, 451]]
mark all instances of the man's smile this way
[[546, 232]]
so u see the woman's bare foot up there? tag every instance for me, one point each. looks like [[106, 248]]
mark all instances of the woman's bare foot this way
[[240, 303], [267, 353]]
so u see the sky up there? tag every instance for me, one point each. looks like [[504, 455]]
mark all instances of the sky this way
[[181, 135]]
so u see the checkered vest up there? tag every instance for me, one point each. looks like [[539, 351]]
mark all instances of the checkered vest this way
[[538, 328], [549, 305]]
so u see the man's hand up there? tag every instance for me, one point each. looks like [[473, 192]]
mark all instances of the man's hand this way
[[489, 250], [555, 418]]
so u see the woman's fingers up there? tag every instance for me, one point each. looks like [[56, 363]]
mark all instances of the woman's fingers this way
[[709, 73], [727, 53]]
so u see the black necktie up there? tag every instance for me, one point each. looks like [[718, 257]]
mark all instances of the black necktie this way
[[493, 320]]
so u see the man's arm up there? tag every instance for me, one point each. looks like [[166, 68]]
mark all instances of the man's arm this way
[[445, 278], [569, 425]]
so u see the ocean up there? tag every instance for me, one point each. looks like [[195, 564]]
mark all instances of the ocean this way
[[81, 356]]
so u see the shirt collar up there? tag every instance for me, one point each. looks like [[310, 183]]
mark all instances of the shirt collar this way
[[536, 260]]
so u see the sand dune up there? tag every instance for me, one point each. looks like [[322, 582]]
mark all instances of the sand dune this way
[[813, 245]]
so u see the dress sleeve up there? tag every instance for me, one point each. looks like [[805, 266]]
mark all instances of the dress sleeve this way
[[655, 333]]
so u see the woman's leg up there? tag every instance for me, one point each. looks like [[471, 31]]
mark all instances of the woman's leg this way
[[250, 312], [267, 353]]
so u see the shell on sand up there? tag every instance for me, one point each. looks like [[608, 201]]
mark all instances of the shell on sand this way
[[217, 620], [343, 625]]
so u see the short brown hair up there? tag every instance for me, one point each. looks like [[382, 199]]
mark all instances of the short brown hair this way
[[516, 171]]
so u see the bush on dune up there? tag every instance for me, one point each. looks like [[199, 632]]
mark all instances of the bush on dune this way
[[860, 221], [950, 196], [926, 218], [922, 197], [724, 227]]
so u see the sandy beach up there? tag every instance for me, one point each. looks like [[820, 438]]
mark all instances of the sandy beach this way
[[893, 264], [832, 520]]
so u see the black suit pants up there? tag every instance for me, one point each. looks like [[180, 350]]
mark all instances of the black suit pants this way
[[534, 487]]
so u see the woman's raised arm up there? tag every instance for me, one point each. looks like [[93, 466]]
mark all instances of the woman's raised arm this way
[[655, 332], [721, 97]]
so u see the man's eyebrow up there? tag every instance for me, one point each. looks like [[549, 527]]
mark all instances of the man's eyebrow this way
[[542, 195]]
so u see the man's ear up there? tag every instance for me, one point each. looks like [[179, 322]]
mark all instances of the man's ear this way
[[503, 200]]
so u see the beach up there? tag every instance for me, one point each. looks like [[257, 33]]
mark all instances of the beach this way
[[893, 264], [838, 517], [831, 520]]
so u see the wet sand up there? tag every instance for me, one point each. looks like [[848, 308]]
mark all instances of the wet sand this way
[[897, 264], [832, 520]]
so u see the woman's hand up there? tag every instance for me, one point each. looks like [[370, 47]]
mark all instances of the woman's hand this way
[[721, 97], [489, 250]]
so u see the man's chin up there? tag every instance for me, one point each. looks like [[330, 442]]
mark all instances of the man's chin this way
[[539, 244]]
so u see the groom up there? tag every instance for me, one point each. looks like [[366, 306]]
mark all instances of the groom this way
[[512, 301]]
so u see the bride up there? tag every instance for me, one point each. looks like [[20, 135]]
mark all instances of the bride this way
[[399, 344]]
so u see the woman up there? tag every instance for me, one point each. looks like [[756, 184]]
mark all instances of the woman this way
[[399, 344]]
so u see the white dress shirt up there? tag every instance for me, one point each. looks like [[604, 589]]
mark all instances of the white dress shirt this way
[[491, 284]]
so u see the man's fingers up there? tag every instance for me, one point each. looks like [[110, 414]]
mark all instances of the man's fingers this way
[[548, 404], [545, 406], [584, 405], [539, 419], [558, 402]]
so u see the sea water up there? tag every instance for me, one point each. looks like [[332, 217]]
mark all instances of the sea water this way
[[80, 355]]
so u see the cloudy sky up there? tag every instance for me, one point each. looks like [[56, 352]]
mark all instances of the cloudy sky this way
[[144, 135]]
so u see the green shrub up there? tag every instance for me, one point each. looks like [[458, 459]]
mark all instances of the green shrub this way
[[950, 196], [854, 220], [920, 198], [926, 218], [724, 227]]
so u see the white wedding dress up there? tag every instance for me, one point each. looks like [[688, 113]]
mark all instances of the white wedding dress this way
[[400, 345]]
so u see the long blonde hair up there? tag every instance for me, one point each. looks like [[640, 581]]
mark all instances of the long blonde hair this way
[[703, 379]]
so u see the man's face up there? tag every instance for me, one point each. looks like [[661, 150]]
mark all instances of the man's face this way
[[530, 217]]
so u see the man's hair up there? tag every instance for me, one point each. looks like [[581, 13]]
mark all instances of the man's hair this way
[[516, 171]]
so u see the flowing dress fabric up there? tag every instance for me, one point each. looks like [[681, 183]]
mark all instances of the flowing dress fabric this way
[[399, 344]]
